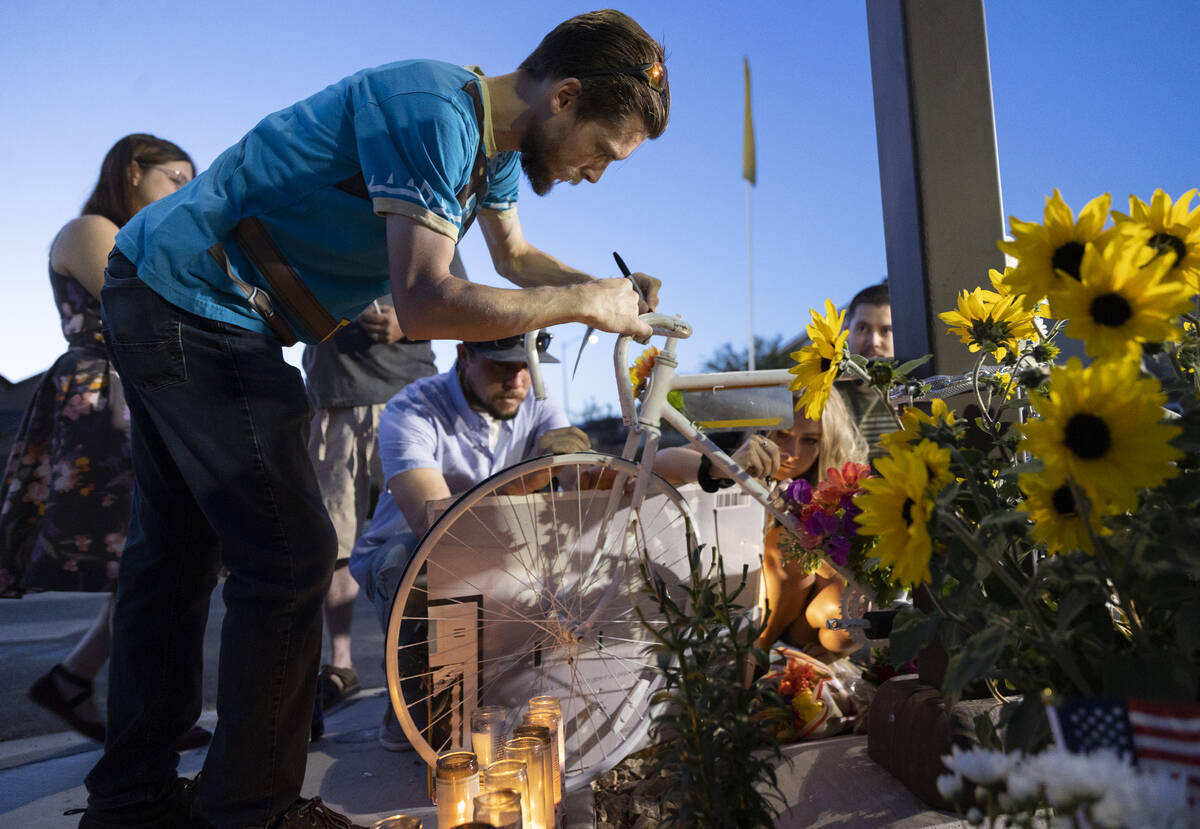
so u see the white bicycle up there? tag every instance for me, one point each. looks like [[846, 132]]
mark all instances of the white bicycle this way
[[529, 583]]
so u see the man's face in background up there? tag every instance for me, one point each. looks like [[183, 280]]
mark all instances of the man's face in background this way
[[871, 331]]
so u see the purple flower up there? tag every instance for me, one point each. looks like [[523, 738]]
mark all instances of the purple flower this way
[[799, 491], [820, 523], [847, 502], [839, 550]]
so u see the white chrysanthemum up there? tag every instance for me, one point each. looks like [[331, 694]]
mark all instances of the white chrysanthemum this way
[[949, 786], [1024, 783], [1146, 799], [982, 765], [1072, 779]]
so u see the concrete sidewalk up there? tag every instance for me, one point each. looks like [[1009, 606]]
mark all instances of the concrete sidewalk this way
[[828, 783]]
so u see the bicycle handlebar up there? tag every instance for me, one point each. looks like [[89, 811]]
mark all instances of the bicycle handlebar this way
[[535, 364]]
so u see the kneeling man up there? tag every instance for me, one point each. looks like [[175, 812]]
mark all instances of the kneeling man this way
[[440, 436]]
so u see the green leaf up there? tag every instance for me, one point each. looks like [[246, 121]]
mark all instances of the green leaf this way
[[1070, 606], [1003, 518], [911, 631], [975, 660], [905, 368], [1024, 724]]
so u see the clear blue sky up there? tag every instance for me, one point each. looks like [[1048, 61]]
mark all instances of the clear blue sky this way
[[1090, 96]]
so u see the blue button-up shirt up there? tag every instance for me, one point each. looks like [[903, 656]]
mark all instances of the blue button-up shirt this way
[[430, 425]]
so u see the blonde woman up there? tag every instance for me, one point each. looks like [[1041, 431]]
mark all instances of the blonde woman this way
[[800, 602]]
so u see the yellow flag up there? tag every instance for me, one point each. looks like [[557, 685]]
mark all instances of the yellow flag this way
[[749, 169]]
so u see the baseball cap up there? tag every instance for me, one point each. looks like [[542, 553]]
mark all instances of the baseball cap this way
[[512, 349]]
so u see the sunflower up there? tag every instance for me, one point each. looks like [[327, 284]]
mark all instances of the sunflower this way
[[911, 421], [639, 372], [896, 508], [1102, 426], [818, 363], [1174, 228], [990, 321], [1057, 522], [1002, 285], [1046, 251], [1117, 305]]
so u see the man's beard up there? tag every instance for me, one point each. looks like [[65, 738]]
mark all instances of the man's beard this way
[[474, 399], [533, 159]]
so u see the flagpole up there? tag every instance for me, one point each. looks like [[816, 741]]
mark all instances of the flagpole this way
[[750, 271], [750, 173]]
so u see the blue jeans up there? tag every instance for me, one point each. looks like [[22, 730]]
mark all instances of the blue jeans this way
[[221, 477], [380, 573]]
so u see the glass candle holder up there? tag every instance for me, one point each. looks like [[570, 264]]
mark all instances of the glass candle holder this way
[[529, 751], [456, 782], [508, 775], [500, 808], [487, 733], [397, 822], [553, 705], [542, 734], [553, 722]]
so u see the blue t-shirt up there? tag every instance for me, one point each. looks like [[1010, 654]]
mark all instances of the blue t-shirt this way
[[430, 425], [409, 130]]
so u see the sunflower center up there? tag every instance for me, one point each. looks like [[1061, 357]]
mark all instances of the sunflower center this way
[[1166, 241], [1063, 501], [1112, 310], [825, 364], [906, 510], [1068, 258], [1087, 436]]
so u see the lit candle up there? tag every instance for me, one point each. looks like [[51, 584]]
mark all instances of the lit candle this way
[[508, 775], [500, 809], [487, 733], [554, 706], [552, 722], [456, 782], [397, 822], [542, 734], [529, 750]]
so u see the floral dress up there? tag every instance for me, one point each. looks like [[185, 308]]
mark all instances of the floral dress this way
[[64, 504]]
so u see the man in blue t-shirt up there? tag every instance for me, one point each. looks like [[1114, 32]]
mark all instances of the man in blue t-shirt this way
[[361, 189]]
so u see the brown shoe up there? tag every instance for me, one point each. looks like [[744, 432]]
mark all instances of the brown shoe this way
[[311, 813], [194, 737], [335, 685], [45, 693]]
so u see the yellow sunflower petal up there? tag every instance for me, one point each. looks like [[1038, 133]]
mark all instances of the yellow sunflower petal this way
[[1103, 427]]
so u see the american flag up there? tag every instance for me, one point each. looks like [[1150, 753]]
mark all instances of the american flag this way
[[1159, 736]]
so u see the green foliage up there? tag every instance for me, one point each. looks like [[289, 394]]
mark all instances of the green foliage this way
[[768, 353], [1124, 621], [714, 725]]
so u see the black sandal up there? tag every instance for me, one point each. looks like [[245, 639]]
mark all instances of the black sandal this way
[[330, 692], [46, 694]]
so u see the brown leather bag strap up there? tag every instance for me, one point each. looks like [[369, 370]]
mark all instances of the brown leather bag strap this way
[[286, 285], [257, 299], [478, 184]]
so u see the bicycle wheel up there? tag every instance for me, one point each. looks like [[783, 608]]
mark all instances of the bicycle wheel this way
[[519, 590]]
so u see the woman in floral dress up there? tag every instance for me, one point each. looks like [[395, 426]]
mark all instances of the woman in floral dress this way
[[64, 504]]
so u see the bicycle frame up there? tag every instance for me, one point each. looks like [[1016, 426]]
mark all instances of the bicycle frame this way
[[644, 425]]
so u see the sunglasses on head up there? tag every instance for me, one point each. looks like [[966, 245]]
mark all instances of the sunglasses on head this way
[[653, 73], [505, 343]]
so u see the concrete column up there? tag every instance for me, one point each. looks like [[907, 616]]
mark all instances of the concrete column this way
[[938, 170]]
